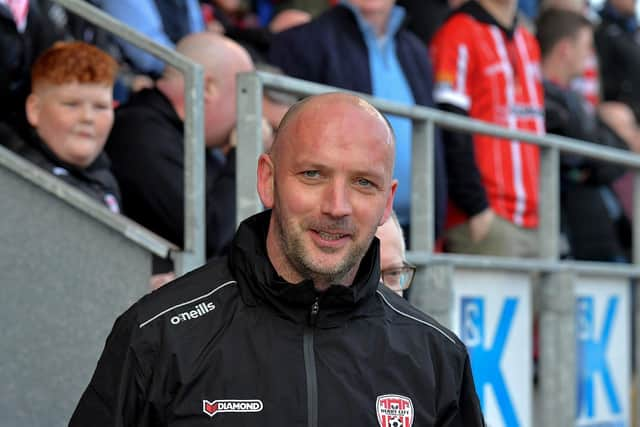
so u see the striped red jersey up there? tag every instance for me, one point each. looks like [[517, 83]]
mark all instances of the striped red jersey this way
[[494, 76]]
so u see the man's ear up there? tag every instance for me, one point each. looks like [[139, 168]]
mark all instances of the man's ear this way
[[32, 108], [266, 176], [210, 87], [388, 208]]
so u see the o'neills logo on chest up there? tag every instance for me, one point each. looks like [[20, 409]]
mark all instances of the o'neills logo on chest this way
[[394, 410], [220, 406], [197, 311]]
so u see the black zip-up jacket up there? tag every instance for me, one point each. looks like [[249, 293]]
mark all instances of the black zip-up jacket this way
[[147, 150], [232, 344]]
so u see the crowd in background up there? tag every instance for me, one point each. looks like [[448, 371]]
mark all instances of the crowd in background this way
[[558, 66]]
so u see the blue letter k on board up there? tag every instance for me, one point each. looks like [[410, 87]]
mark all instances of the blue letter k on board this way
[[485, 360], [592, 356]]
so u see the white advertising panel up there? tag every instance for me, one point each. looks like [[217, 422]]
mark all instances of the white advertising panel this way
[[603, 332], [492, 316]]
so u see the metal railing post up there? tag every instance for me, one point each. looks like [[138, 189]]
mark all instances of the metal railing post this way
[[554, 307], [635, 251], [549, 203], [555, 397], [433, 288], [193, 254], [250, 144], [422, 186]]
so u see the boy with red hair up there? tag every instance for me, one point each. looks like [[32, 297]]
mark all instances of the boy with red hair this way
[[70, 110]]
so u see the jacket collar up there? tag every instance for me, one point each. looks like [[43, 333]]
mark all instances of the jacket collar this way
[[260, 283], [154, 99], [479, 13], [101, 162]]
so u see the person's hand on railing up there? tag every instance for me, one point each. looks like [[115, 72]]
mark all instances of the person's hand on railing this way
[[480, 224], [620, 118]]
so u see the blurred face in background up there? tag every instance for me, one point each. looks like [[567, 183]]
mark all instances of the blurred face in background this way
[[392, 250], [580, 50], [625, 7], [72, 119], [373, 6]]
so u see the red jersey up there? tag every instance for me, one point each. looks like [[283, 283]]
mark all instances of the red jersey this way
[[494, 75]]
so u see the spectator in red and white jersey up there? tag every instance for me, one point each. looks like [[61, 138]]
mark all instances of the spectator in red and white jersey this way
[[487, 67]]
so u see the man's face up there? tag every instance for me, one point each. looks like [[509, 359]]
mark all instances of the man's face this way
[[220, 98], [392, 249], [72, 119], [373, 6], [581, 48], [329, 182]]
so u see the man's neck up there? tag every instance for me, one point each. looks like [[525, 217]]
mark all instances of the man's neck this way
[[377, 20], [173, 92], [503, 13], [554, 71]]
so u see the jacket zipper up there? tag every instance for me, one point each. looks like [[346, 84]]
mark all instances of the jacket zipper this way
[[310, 366]]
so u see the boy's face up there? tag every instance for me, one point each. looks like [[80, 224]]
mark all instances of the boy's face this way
[[73, 119]]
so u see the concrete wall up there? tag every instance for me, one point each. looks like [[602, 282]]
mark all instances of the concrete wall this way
[[64, 278]]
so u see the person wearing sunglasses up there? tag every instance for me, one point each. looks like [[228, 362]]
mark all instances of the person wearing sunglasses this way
[[396, 273]]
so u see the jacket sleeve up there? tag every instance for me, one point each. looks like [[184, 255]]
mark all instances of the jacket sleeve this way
[[605, 172], [464, 183], [114, 396], [565, 115], [453, 63], [469, 413]]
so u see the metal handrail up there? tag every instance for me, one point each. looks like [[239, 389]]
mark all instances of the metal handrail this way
[[192, 254], [251, 85], [82, 202], [456, 122]]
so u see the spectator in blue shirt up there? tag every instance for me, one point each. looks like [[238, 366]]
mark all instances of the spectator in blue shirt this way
[[363, 46], [164, 22]]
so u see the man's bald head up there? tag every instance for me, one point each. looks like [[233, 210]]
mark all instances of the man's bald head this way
[[222, 59], [216, 53], [329, 180], [319, 106]]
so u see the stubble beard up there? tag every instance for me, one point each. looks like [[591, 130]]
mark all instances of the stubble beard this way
[[293, 247]]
